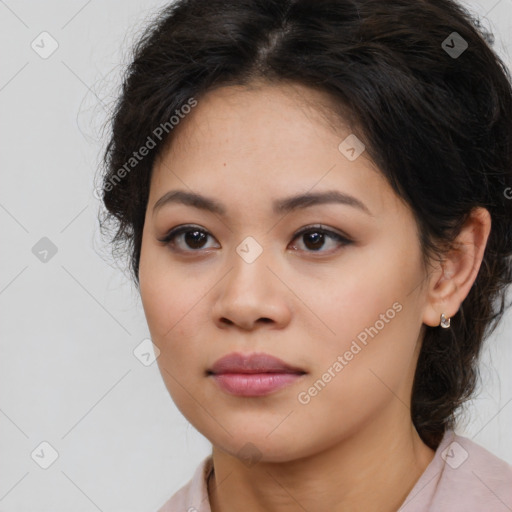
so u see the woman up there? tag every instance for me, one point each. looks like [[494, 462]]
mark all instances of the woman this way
[[315, 199]]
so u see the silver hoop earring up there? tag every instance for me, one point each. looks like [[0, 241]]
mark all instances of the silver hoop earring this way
[[445, 322]]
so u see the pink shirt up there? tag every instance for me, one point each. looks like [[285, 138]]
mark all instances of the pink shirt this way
[[462, 477]]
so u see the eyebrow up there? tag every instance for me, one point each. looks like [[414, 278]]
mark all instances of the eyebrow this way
[[280, 206]]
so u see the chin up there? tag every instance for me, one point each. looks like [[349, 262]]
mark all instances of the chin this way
[[257, 446]]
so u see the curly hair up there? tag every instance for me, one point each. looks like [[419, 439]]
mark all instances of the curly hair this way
[[420, 85]]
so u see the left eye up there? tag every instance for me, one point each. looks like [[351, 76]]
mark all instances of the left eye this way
[[314, 239]]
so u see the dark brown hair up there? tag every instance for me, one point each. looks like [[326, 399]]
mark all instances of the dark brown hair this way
[[422, 89]]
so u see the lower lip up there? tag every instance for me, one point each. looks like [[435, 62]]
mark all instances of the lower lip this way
[[254, 384]]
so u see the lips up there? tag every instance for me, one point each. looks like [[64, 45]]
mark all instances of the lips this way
[[252, 363], [253, 375]]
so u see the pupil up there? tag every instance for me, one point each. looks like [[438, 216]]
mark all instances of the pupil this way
[[316, 239], [194, 238]]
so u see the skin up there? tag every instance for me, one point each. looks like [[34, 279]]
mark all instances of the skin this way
[[353, 447]]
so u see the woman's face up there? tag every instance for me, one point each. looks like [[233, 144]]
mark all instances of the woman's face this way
[[347, 312]]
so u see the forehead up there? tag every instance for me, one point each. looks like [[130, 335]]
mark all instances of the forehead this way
[[238, 114], [275, 140]]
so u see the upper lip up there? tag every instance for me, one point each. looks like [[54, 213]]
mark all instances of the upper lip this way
[[252, 363]]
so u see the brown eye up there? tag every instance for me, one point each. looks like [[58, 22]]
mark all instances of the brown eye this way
[[195, 239], [187, 238], [314, 239]]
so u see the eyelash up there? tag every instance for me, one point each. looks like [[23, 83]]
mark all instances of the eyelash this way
[[171, 235]]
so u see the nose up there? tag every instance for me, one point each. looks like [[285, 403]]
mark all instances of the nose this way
[[252, 295]]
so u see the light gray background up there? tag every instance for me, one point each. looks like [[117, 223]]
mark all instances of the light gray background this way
[[68, 374]]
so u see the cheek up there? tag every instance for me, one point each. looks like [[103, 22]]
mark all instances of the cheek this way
[[353, 381], [370, 321], [344, 306], [172, 306], [157, 302], [164, 291], [170, 314]]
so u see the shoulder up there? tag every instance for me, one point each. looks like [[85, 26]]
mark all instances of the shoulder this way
[[481, 471], [462, 476], [193, 496]]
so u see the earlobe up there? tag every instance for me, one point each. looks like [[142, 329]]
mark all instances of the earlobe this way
[[442, 299], [455, 276]]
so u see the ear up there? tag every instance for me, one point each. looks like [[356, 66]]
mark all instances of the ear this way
[[452, 279]]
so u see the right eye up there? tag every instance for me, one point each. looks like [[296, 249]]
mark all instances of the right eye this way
[[186, 238]]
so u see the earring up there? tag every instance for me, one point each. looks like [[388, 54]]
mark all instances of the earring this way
[[445, 322]]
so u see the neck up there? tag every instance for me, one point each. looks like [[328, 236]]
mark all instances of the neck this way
[[371, 470]]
